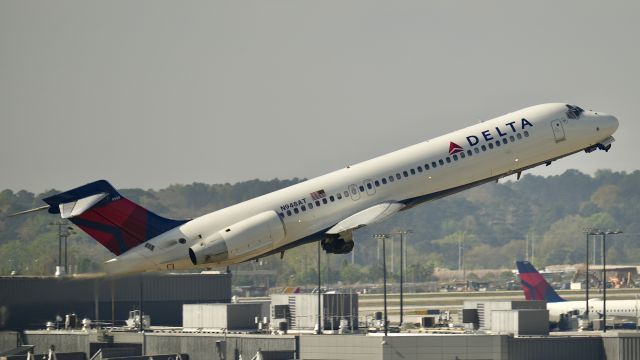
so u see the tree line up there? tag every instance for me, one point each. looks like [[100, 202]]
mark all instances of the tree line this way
[[540, 218]]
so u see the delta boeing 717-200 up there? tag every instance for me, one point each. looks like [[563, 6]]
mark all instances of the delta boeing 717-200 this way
[[330, 207]]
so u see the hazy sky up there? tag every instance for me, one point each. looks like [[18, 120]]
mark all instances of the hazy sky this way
[[151, 93]]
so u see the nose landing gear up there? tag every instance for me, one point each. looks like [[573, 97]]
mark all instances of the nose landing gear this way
[[603, 145]]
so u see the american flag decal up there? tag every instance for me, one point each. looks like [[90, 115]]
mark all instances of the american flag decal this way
[[316, 195]]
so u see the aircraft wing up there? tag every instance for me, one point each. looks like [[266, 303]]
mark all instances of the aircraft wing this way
[[366, 217]]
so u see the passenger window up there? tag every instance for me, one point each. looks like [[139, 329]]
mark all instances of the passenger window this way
[[433, 164], [324, 201], [317, 202], [426, 166], [406, 174], [303, 208], [339, 196], [369, 186], [354, 191], [455, 157], [448, 160], [512, 138], [461, 155], [310, 205], [361, 188], [288, 212], [384, 181], [295, 210], [377, 183], [519, 136], [505, 141], [476, 150], [526, 133], [398, 176], [390, 178], [412, 171], [498, 143], [419, 168], [490, 145], [346, 194], [469, 152], [441, 162], [332, 198], [483, 147]]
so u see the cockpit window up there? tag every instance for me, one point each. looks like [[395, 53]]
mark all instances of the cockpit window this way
[[573, 112]]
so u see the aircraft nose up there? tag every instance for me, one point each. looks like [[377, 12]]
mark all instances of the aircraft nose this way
[[610, 124]]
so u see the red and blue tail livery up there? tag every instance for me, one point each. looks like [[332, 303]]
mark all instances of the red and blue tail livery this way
[[113, 220], [535, 287]]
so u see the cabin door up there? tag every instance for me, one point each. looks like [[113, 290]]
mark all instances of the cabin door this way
[[558, 130]]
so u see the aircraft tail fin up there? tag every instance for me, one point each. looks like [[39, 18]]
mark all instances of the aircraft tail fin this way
[[113, 220], [535, 286]]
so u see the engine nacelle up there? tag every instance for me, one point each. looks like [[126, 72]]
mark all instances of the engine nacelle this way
[[337, 245], [255, 233]]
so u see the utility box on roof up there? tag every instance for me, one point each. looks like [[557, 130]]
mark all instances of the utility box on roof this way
[[520, 322], [485, 308], [300, 311], [221, 316]]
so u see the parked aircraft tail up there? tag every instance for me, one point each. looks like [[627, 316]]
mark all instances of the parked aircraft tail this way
[[113, 220], [535, 287]]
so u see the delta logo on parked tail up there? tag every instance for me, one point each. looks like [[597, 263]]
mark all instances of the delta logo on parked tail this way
[[454, 148], [535, 287]]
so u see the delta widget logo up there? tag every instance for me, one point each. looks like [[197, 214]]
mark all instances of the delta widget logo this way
[[454, 148]]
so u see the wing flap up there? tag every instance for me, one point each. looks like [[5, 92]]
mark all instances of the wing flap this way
[[372, 215]]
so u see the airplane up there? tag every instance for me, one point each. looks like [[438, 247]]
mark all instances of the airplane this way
[[330, 207], [535, 287]]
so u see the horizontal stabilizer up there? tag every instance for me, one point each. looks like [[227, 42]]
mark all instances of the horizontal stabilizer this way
[[367, 216]]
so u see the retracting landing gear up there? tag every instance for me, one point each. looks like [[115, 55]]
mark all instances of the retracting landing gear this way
[[603, 145], [338, 244]]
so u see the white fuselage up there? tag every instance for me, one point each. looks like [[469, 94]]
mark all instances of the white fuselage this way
[[547, 133], [623, 309]]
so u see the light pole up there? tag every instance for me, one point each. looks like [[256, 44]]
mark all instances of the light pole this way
[[68, 232], [402, 260], [588, 232], [59, 270], [384, 277], [604, 270], [319, 331], [586, 298], [604, 276]]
